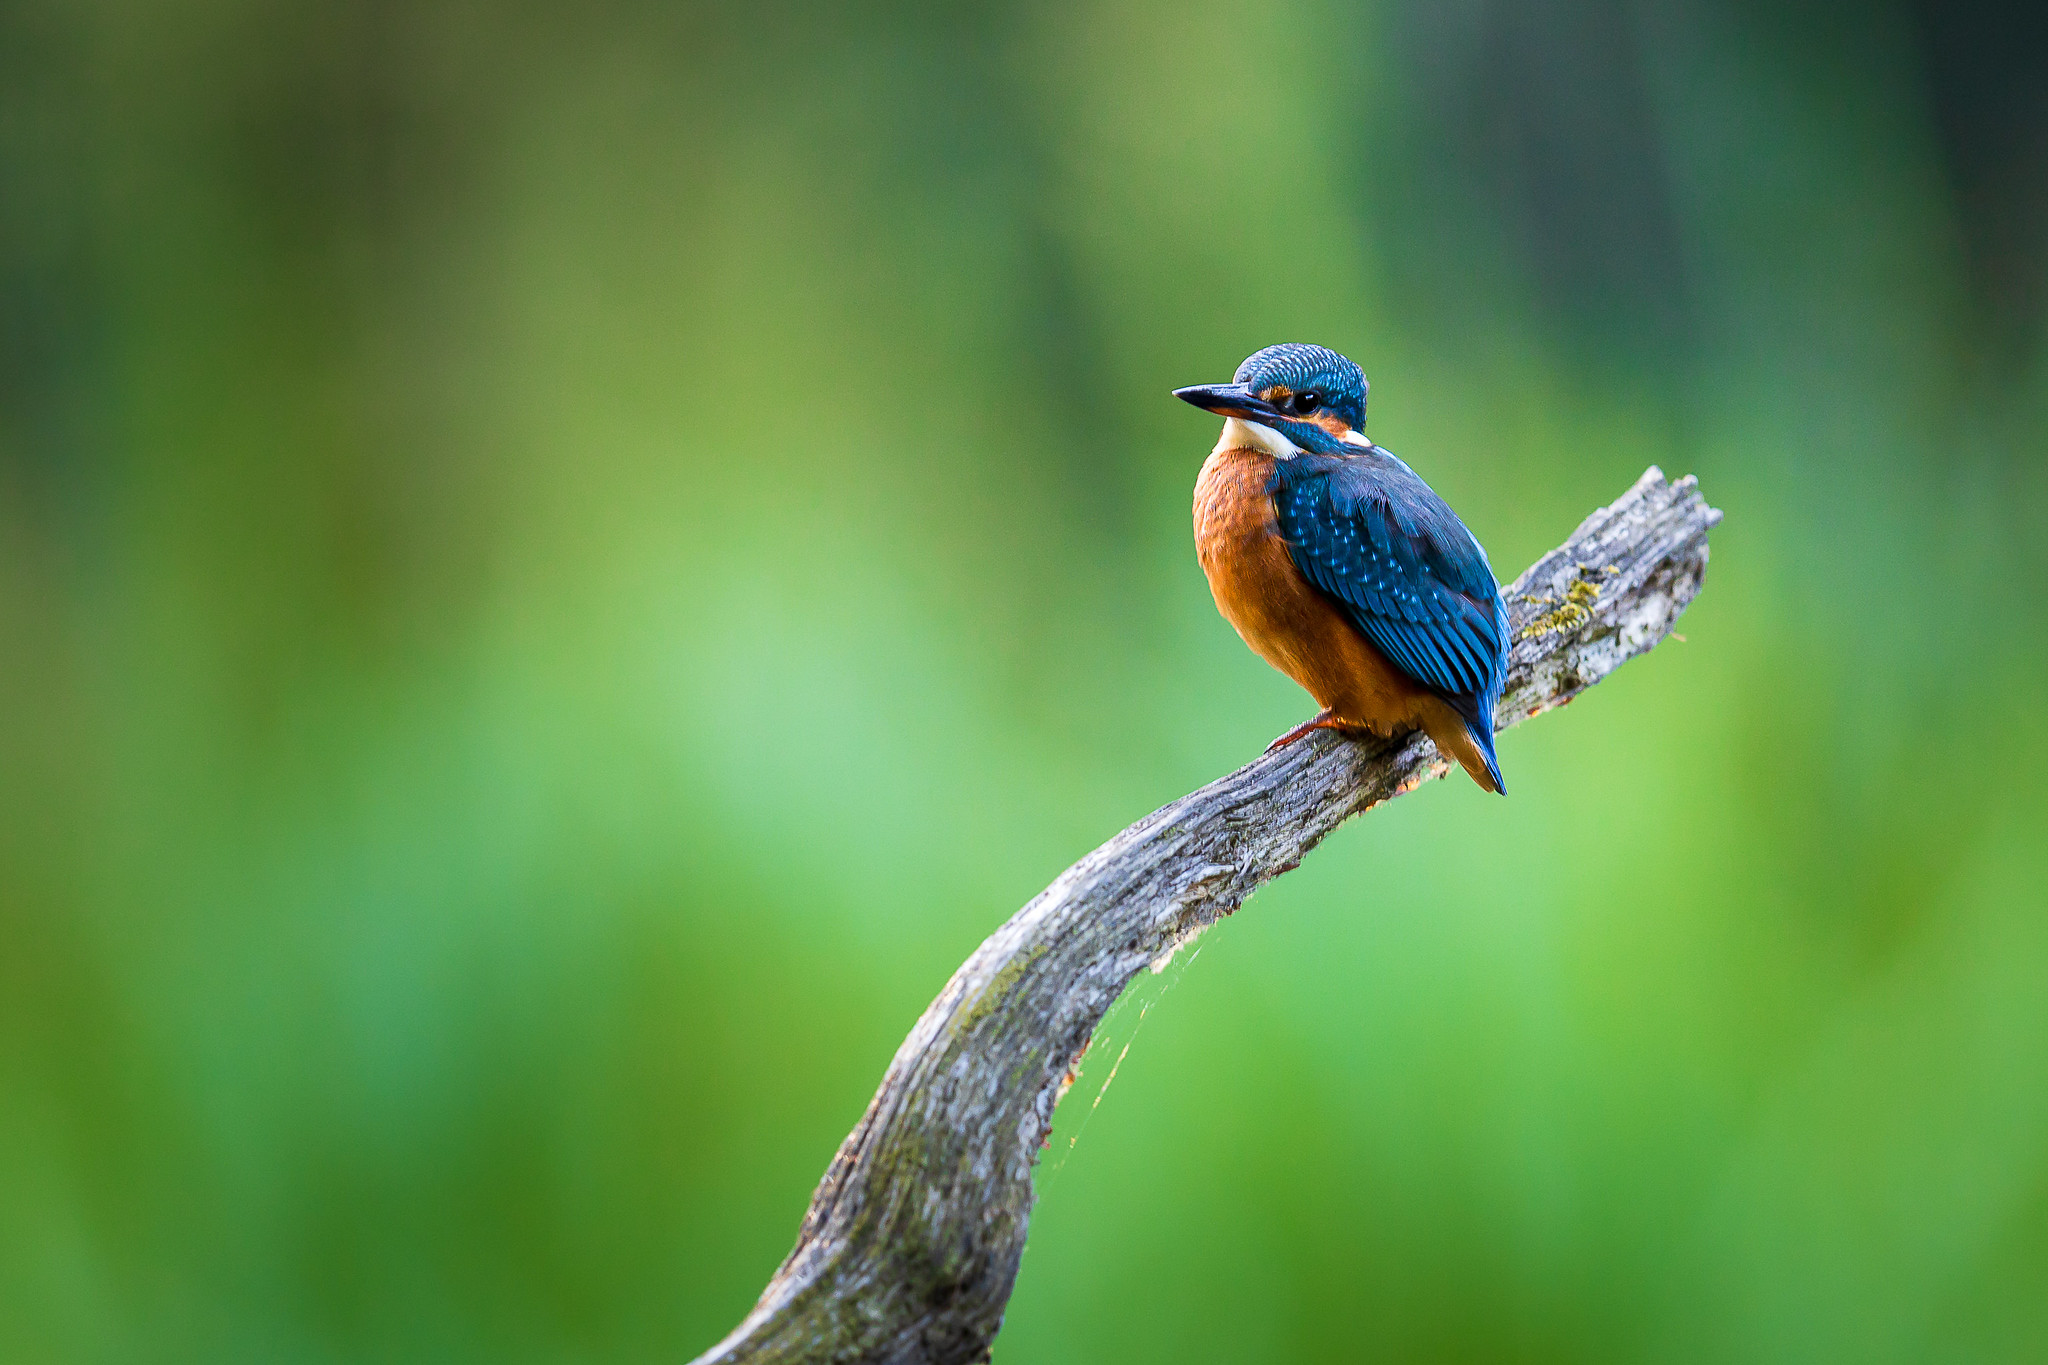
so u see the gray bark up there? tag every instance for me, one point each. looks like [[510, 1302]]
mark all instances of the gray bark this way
[[911, 1244]]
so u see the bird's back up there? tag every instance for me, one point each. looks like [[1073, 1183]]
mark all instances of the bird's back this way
[[1368, 531]]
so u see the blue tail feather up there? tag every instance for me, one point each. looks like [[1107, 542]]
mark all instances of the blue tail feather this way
[[1483, 737]]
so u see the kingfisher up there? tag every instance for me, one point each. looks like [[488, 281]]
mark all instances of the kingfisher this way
[[1340, 567]]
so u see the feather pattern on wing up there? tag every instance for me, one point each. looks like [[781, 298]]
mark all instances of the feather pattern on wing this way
[[1366, 530]]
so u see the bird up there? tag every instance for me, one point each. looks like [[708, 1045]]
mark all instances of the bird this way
[[1340, 567]]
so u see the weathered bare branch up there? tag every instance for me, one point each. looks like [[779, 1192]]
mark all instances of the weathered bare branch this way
[[911, 1244]]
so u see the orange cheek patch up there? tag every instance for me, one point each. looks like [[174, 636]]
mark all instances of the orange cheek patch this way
[[1329, 421]]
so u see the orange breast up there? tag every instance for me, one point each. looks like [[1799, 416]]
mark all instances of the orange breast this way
[[1291, 625]]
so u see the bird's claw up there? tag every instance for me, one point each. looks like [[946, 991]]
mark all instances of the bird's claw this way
[[1322, 720]]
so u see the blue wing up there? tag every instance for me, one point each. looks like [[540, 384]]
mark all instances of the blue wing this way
[[1370, 533]]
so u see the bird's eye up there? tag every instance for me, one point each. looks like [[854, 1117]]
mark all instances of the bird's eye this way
[[1307, 401]]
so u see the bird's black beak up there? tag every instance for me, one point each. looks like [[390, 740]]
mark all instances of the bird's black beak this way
[[1228, 400]]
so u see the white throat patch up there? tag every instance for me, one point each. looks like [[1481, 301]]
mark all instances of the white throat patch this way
[[1239, 434]]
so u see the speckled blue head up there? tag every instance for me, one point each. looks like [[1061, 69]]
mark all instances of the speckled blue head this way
[[1316, 379], [1310, 395]]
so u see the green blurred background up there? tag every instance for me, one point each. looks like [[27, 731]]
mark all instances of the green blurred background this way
[[561, 566]]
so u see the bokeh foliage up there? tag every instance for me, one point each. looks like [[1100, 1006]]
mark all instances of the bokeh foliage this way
[[561, 566]]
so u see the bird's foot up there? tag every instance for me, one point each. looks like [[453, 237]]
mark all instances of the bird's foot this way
[[1322, 720]]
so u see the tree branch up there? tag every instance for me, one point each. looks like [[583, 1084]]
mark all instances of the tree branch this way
[[911, 1244]]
